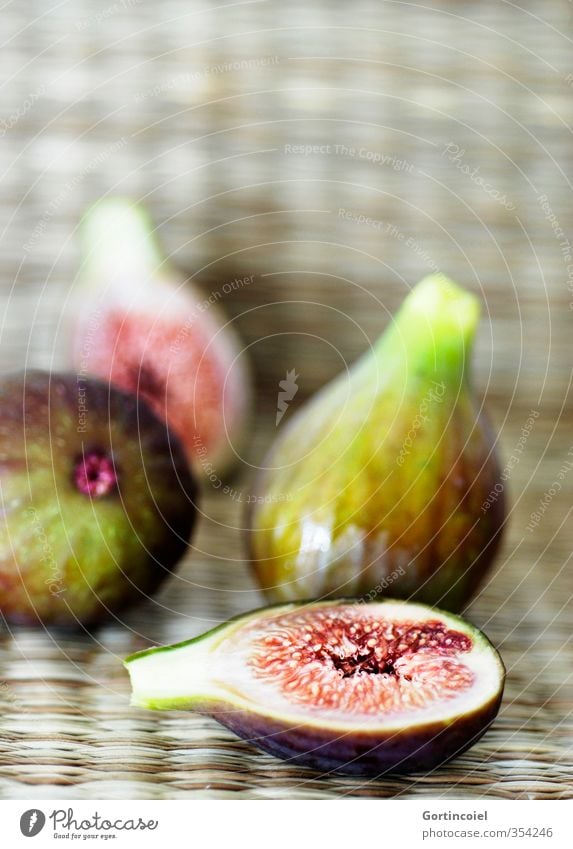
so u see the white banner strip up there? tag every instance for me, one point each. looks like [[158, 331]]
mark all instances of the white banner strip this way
[[341, 824]]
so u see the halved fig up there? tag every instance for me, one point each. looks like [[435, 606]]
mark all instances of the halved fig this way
[[358, 688]]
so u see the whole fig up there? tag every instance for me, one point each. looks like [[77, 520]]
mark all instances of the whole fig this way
[[136, 322], [379, 484], [97, 500]]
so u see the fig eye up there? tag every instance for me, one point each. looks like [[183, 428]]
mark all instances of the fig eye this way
[[95, 474]]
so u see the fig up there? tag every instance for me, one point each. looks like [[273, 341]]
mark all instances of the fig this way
[[96, 495], [136, 323], [376, 486], [358, 688]]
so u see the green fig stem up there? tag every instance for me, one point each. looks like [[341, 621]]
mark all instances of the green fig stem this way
[[174, 677], [435, 330], [118, 239]]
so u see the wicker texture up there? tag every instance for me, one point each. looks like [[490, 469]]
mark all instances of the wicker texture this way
[[197, 110]]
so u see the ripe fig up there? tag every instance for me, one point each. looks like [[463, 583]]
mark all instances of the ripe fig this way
[[97, 500], [378, 484], [139, 325], [340, 686]]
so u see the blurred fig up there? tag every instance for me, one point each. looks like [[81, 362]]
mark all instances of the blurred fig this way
[[378, 484], [97, 500], [136, 323]]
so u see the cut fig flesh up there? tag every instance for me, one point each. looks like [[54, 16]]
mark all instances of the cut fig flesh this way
[[342, 686]]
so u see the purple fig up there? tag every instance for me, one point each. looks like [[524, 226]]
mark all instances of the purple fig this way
[[342, 686], [97, 500], [378, 484], [137, 323]]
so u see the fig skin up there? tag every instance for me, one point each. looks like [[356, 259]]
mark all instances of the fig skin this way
[[98, 501], [359, 753], [180, 677], [377, 485], [135, 322]]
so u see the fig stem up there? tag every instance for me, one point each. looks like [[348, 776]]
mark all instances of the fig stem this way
[[434, 330], [118, 238], [173, 676]]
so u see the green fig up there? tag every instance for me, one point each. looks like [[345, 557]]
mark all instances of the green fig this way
[[97, 502], [339, 686], [378, 484]]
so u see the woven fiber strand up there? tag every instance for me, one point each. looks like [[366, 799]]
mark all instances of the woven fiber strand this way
[[328, 154]]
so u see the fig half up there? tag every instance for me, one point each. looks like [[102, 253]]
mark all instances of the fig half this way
[[351, 687]]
